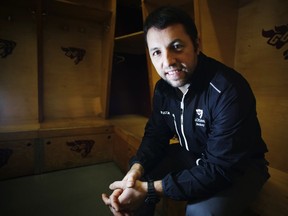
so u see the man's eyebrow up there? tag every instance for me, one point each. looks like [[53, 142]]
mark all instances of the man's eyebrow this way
[[153, 49], [170, 44], [175, 41]]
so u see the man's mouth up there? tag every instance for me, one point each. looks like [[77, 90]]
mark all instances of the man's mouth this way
[[172, 72], [175, 72]]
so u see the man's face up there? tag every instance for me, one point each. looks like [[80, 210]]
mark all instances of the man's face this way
[[172, 53]]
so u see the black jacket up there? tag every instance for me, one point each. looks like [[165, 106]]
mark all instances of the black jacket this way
[[216, 120]]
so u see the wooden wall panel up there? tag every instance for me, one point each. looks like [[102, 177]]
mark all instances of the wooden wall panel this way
[[72, 89], [17, 158], [73, 151], [217, 23], [266, 70], [18, 70], [106, 70]]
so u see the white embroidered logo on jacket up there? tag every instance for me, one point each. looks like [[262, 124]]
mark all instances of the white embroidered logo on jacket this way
[[199, 121]]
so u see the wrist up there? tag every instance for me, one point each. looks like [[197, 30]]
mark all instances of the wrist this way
[[158, 188], [152, 196]]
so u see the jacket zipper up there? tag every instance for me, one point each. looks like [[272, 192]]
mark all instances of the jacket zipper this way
[[182, 120]]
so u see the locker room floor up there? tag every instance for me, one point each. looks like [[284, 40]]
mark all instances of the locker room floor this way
[[71, 192]]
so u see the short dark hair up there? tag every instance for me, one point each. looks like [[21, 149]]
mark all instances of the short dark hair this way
[[163, 17]]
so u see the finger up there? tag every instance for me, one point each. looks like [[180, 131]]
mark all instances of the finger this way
[[129, 214], [116, 213], [106, 199], [114, 202]]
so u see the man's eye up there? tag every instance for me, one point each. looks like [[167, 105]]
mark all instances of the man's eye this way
[[156, 53], [177, 46]]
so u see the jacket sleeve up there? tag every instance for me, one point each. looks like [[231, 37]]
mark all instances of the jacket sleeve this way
[[232, 141], [156, 137]]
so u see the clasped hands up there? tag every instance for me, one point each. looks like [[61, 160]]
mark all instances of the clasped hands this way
[[127, 195]]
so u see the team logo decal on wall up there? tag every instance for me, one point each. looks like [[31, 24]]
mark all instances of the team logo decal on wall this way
[[278, 37], [82, 146], [74, 53], [6, 47]]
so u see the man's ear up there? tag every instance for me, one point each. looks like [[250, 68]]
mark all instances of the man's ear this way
[[198, 45]]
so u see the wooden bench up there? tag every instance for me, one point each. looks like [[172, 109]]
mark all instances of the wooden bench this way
[[273, 199]]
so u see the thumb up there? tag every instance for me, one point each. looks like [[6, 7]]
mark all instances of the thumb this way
[[117, 185], [130, 182]]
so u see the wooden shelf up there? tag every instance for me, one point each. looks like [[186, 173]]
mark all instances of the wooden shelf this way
[[16, 3], [74, 123], [132, 43], [19, 133], [78, 10], [167, 2]]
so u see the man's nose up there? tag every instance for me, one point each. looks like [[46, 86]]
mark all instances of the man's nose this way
[[168, 59]]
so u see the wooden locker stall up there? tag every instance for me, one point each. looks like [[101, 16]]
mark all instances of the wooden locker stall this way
[[55, 63], [18, 63], [18, 88], [76, 58], [76, 54], [129, 80]]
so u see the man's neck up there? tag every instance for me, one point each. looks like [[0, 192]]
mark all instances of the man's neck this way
[[184, 88]]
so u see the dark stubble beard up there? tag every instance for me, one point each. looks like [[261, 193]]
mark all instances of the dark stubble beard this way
[[184, 81]]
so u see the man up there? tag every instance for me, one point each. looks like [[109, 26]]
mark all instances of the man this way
[[219, 166]]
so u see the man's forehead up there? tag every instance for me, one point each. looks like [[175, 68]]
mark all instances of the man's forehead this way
[[171, 34]]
